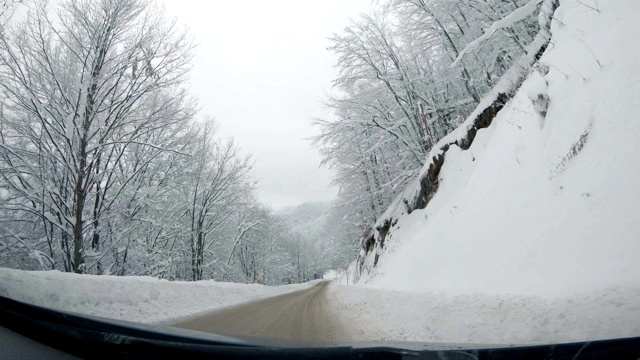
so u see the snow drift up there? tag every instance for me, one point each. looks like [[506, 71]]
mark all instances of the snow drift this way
[[133, 298], [543, 200]]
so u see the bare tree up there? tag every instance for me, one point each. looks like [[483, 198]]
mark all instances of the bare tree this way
[[220, 181], [75, 108]]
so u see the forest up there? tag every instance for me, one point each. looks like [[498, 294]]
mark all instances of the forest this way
[[107, 165]]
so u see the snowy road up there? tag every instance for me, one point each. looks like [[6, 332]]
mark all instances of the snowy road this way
[[334, 313], [302, 316]]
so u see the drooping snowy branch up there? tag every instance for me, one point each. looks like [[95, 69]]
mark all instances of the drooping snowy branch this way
[[507, 21]]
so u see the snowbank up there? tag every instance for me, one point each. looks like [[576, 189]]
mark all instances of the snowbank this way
[[382, 315], [132, 298], [542, 203]]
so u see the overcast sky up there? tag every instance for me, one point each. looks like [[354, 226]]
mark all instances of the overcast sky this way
[[262, 69]]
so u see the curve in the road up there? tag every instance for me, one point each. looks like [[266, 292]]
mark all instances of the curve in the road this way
[[300, 316]]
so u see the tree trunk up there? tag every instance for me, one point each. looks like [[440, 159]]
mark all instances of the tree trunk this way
[[78, 258]]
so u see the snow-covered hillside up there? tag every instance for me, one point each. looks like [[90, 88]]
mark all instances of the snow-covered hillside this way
[[307, 218], [539, 205]]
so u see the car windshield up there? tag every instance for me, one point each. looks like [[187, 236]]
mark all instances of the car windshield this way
[[325, 172]]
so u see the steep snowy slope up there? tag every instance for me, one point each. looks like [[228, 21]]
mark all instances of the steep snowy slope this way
[[540, 205]]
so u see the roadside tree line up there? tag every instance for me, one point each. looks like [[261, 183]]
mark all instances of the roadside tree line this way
[[409, 73], [106, 167]]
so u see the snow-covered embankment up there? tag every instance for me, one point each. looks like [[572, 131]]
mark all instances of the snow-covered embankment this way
[[133, 298], [532, 234], [539, 204]]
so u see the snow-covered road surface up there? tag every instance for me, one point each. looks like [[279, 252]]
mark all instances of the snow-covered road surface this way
[[331, 313], [304, 315]]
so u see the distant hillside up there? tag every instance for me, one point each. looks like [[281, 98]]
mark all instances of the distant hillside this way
[[308, 218], [320, 229]]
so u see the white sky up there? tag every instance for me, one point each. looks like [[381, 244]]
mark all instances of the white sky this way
[[262, 69]]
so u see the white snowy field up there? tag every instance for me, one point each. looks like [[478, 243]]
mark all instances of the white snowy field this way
[[540, 205], [132, 298]]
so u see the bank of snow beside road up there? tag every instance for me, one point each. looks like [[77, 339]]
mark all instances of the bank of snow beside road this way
[[542, 203], [384, 315], [365, 315], [132, 298]]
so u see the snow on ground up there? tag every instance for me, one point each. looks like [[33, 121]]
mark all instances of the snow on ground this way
[[366, 314], [384, 315], [532, 237], [540, 206], [133, 298]]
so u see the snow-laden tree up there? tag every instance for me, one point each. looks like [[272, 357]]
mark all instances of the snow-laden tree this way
[[86, 88], [7, 9], [105, 167], [406, 79], [317, 239], [218, 185], [257, 254]]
